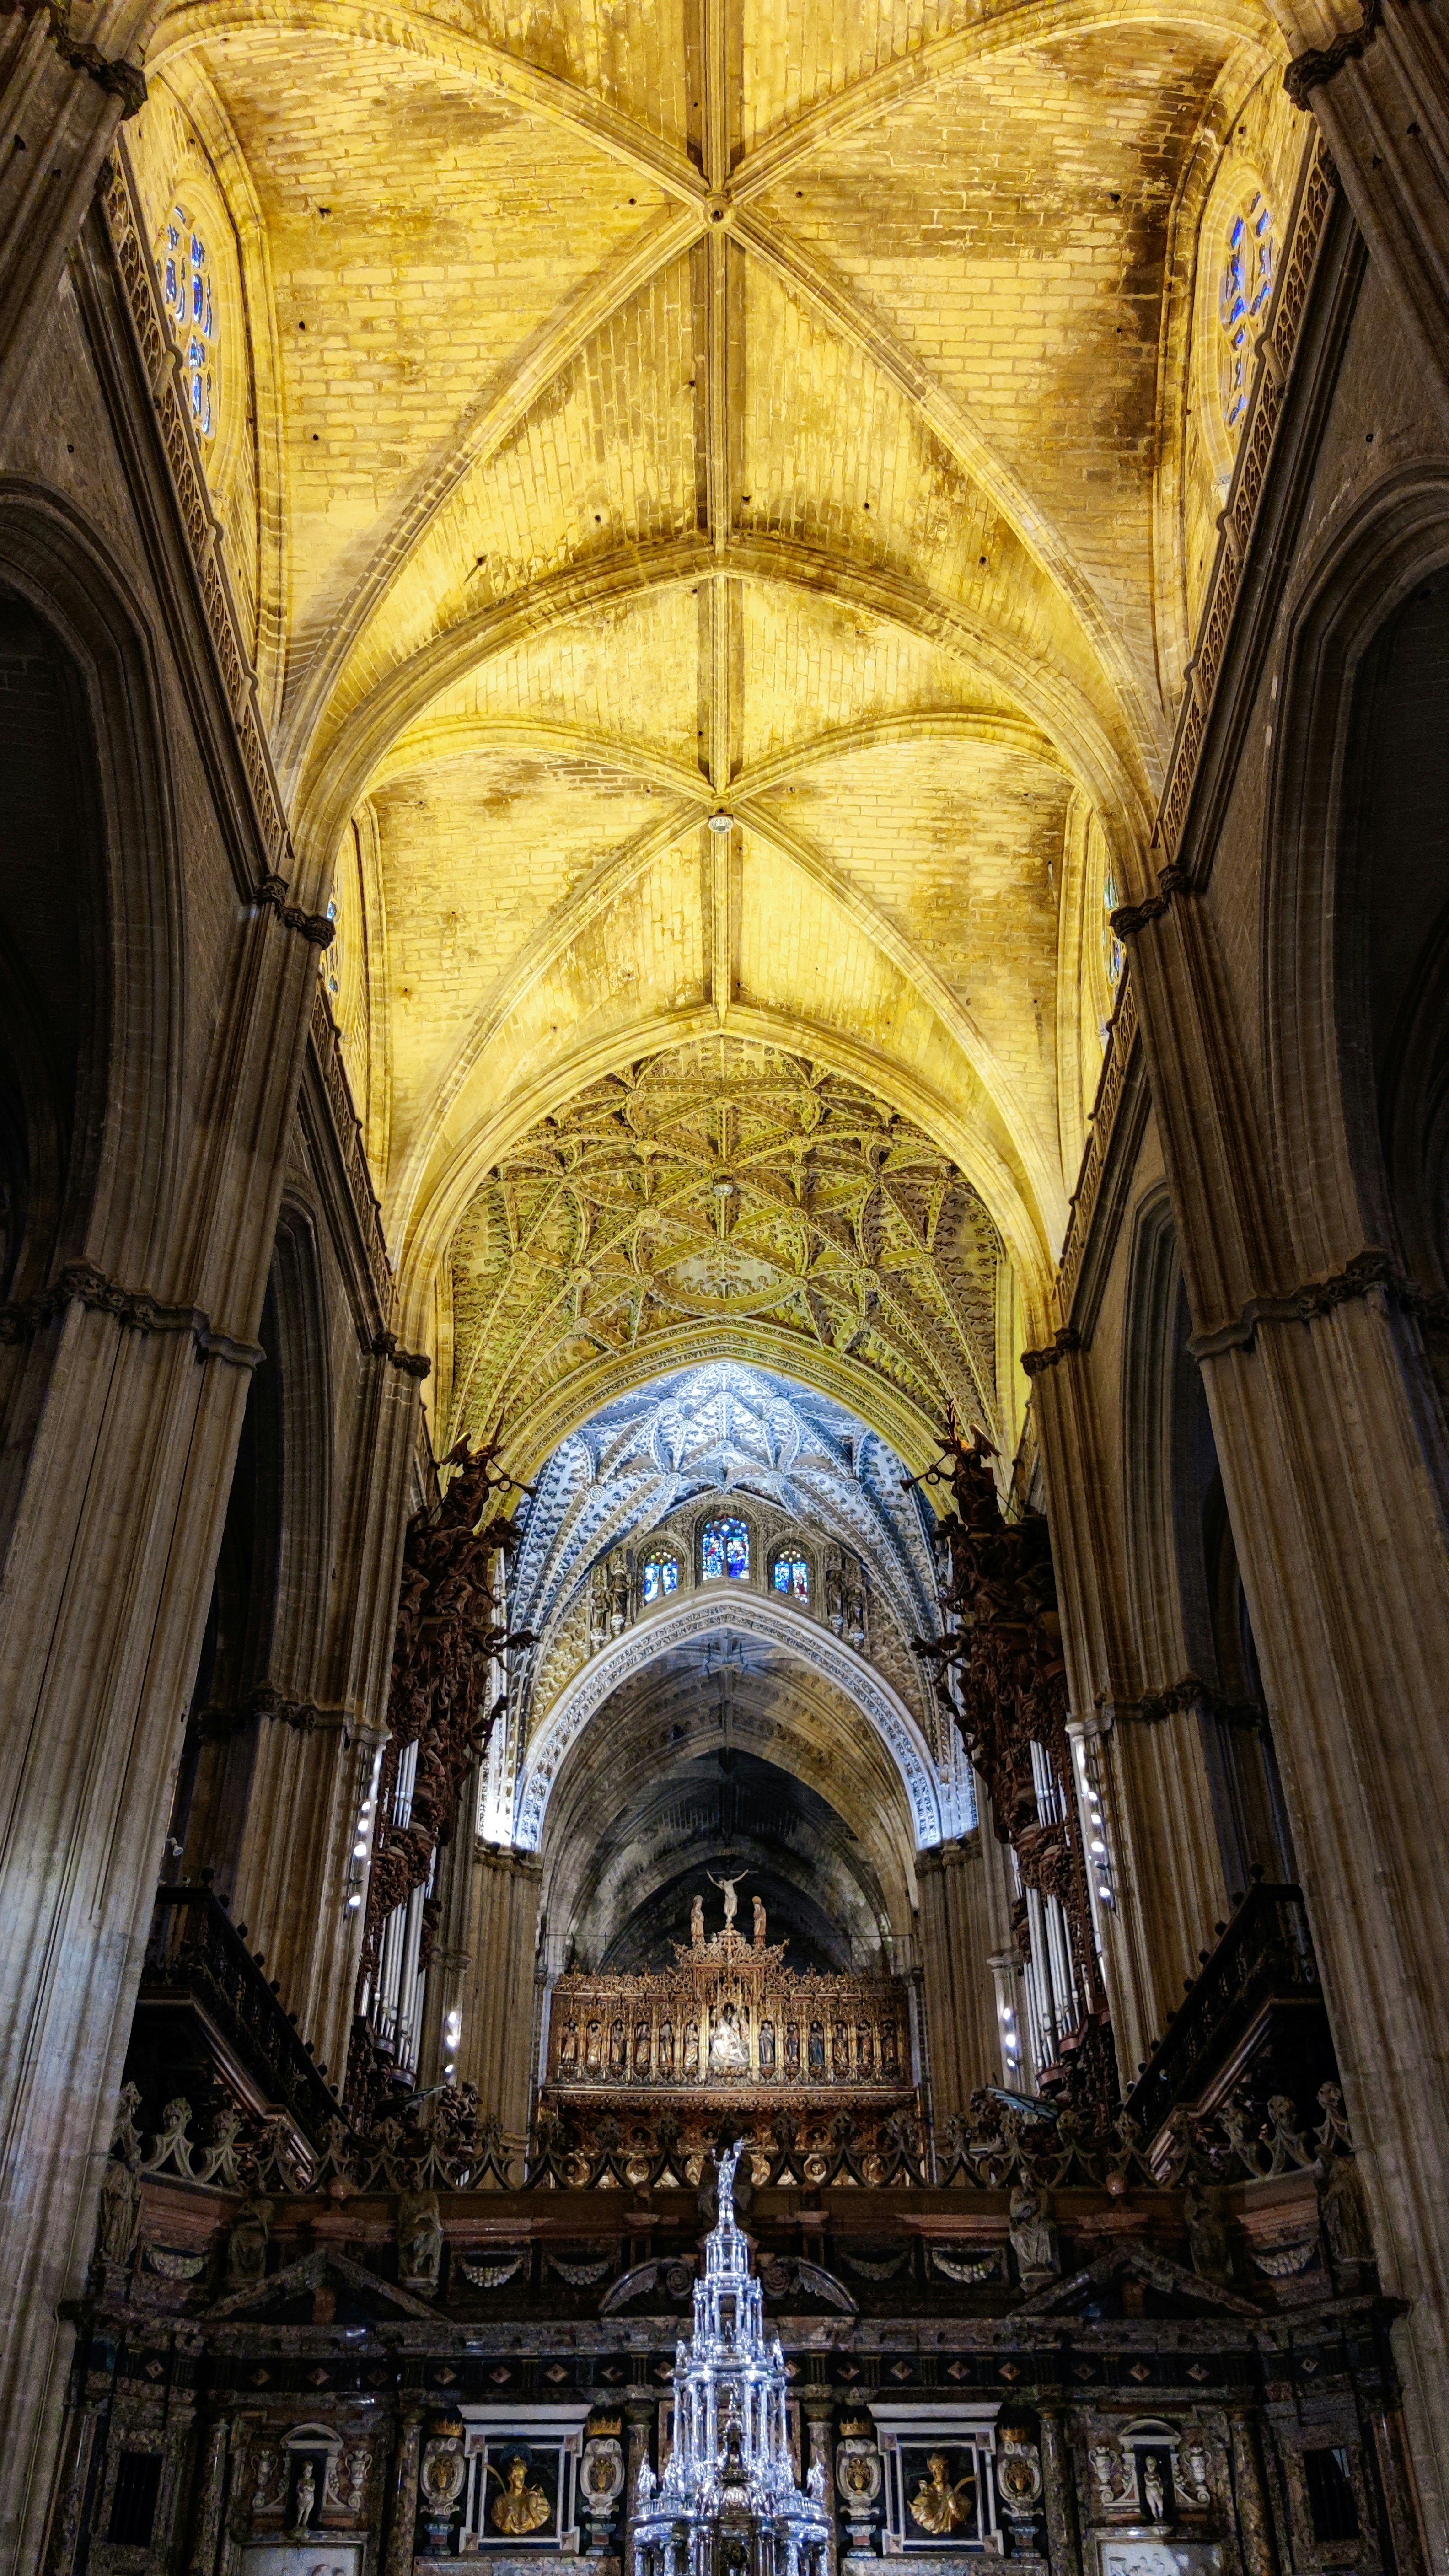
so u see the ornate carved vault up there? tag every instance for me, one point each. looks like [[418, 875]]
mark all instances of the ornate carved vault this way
[[723, 1196]]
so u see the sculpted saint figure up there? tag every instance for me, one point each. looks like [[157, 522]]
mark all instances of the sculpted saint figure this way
[[696, 1923], [759, 1923], [939, 2507], [728, 2052], [727, 1887], [520, 2508]]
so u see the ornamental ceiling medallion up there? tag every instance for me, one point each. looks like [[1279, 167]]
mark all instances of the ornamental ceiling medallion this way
[[722, 1184]]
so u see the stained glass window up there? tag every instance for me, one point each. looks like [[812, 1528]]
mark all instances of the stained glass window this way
[[1111, 944], [1247, 283], [724, 1548], [186, 294], [661, 1575], [791, 1574]]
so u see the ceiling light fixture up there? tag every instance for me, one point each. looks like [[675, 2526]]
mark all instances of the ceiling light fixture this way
[[721, 822]]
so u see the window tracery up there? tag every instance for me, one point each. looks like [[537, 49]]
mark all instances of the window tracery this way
[[661, 1574], [724, 1550], [1246, 285], [790, 1573], [187, 296], [1113, 954]]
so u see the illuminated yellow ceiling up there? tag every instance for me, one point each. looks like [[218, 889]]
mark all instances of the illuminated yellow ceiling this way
[[802, 416]]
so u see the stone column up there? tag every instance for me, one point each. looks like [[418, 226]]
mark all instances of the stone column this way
[[1153, 1779], [206, 2522], [310, 1773], [402, 2523], [959, 1931], [63, 100], [819, 2411], [1376, 75], [1056, 2479], [499, 1934], [1329, 1439], [638, 2418], [1255, 2529], [103, 1598]]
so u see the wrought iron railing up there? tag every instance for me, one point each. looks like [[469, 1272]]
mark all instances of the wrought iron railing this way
[[195, 1949], [1265, 1954]]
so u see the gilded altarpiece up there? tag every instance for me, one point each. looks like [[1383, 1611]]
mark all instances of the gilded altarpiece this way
[[730, 2028]]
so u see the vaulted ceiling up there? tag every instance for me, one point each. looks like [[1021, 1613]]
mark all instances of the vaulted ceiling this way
[[711, 508]]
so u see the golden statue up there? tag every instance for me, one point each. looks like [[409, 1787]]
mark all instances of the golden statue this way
[[938, 2506], [520, 2508]]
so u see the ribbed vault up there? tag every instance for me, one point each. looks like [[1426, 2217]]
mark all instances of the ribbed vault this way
[[755, 1758], [717, 493]]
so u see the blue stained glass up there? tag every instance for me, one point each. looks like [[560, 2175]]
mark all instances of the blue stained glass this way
[[1247, 284], [791, 1574], [186, 294], [724, 1550], [661, 1575]]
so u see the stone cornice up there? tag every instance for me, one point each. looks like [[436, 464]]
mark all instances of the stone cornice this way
[[1368, 1270], [120, 79], [386, 1346], [1309, 70], [304, 1716], [1188, 1697], [80, 1283], [313, 926], [1061, 1346]]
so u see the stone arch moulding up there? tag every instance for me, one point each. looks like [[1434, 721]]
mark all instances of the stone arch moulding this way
[[1321, 1123], [752, 1615]]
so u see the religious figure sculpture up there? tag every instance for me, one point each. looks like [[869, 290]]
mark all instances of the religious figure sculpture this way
[[520, 2507], [120, 2213], [598, 1616], [246, 2246], [1153, 2494], [728, 2051], [1033, 2237], [696, 1923], [1345, 2219], [618, 1601], [727, 1887], [939, 2507], [1207, 2234], [419, 2240]]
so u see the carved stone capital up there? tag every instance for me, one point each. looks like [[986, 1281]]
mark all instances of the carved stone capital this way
[[1061, 1346], [386, 1346], [80, 1283], [120, 79], [1308, 71], [1129, 918], [314, 927]]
